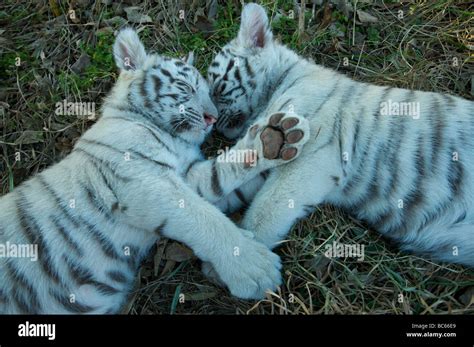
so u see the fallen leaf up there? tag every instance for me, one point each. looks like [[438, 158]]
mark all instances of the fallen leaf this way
[[365, 17], [212, 10], [134, 15], [204, 26], [178, 252], [169, 266], [81, 64]]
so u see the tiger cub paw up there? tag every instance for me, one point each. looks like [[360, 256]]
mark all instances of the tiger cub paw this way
[[278, 139]]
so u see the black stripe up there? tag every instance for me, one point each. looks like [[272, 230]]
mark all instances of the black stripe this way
[[117, 276], [59, 203], [65, 301], [67, 236], [133, 259], [215, 184], [229, 67], [30, 305], [439, 130], [284, 104], [278, 84], [151, 132], [230, 91], [249, 69], [159, 229], [95, 201], [293, 83], [356, 137], [102, 162], [241, 197], [104, 242], [131, 151], [33, 232], [328, 97], [394, 154], [190, 166], [358, 171], [84, 276], [167, 74], [105, 180], [415, 198], [455, 176], [144, 93], [237, 76], [264, 174], [131, 108]]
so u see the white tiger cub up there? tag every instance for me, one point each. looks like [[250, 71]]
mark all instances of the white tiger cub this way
[[136, 174], [409, 176]]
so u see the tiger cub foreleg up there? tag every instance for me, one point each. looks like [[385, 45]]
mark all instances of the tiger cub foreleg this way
[[291, 192], [268, 143], [170, 207]]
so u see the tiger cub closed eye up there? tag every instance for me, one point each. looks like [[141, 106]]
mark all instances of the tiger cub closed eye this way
[[134, 176], [401, 160]]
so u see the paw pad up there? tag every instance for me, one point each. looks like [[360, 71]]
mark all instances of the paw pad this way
[[279, 134]]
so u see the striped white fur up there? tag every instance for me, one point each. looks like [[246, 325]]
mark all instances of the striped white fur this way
[[410, 177], [132, 177]]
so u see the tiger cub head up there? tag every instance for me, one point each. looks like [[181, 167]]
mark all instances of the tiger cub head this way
[[166, 91], [237, 76]]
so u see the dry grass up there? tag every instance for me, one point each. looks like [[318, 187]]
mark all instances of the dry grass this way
[[418, 51]]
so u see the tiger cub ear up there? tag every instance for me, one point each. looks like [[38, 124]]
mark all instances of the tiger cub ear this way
[[189, 58], [254, 30], [129, 51]]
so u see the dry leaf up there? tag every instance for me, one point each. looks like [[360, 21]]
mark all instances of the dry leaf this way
[[169, 266], [178, 252], [81, 64], [365, 17], [134, 15]]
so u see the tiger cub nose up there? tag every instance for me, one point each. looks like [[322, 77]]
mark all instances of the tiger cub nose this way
[[209, 119]]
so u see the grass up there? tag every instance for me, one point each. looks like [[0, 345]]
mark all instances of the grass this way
[[427, 48]]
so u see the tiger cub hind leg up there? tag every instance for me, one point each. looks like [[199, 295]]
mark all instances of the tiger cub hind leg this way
[[454, 243]]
